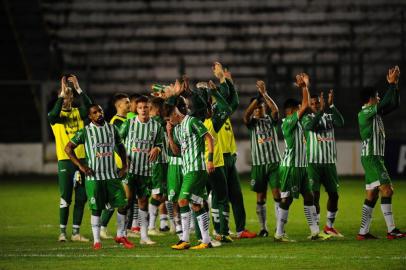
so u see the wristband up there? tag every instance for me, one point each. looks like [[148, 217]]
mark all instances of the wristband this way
[[210, 157]]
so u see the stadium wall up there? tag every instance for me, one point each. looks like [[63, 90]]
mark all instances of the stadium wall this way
[[27, 158], [32, 158]]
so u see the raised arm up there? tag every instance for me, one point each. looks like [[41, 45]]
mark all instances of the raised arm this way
[[222, 110], [391, 99], [338, 119], [249, 111], [53, 115], [302, 81], [268, 100], [85, 101]]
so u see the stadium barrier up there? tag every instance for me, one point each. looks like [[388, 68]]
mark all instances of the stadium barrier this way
[[25, 158]]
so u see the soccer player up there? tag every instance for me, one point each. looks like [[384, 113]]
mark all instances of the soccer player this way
[[377, 180], [265, 154], [192, 136], [322, 155], [122, 104], [217, 114], [227, 141], [292, 170], [143, 142], [65, 121], [103, 183], [159, 167]]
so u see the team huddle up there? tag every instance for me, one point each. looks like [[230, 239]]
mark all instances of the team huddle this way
[[174, 153]]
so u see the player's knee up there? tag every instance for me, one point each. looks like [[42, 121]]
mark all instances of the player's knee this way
[[387, 191], [196, 207]]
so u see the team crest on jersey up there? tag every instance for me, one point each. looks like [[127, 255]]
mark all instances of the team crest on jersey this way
[[92, 200], [311, 182]]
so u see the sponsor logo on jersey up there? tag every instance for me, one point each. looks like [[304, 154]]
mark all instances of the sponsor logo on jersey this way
[[103, 145], [139, 150], [104, 154], [264, 140]]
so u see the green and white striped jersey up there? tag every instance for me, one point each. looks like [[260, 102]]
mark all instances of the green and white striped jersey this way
[[172, 158], [264, 141], [295, 142], [191, 138], [139, 139], [321, 144], [100, 142], [372, 131]]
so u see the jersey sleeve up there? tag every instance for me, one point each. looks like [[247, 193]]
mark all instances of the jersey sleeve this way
[[233, 99], [368, 112], [79, 137], [221, 112], [198, 127], [53, 115], [85, 104], [338, 119], [310, 122], [290, 123]]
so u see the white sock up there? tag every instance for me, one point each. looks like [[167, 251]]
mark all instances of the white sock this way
[[185, 219], [121, 225], [276, 209], [153, 213], [387, 214], [144, 224], [318, 219], [311, 217], [282, 220], [95, 222], [192, 223], [366, 219], [203, 221], [209, 198], [331, 216], [261, 214]]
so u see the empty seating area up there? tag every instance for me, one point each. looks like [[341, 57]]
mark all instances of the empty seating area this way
[[127, 45]]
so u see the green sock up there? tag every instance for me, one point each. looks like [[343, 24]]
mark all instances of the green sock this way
[[106, 216]]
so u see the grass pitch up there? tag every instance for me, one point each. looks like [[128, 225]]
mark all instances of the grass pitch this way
[[29, 229]]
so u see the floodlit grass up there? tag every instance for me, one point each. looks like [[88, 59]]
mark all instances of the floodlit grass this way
[[29, 229]]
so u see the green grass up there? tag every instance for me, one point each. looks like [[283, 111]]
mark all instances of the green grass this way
[[29, 229]]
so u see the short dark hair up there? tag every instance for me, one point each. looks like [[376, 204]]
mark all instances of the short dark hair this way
[[168, 109], [118, 96], [157, 102], [181, 105], [141, 98], [92, 106], [291, 103], [314, 96], [367, 93], [134, 96]]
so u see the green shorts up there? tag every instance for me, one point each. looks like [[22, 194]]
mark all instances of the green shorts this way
[[294, 181], [194, 187], [104, 194], [159, 175], [140, 185], [175, 180], [323, 174], [262, 175], [375, 172], [67, 184]]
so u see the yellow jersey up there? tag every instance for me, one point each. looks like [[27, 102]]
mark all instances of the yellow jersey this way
[[218, 159], [68, 124], [226, 138]]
